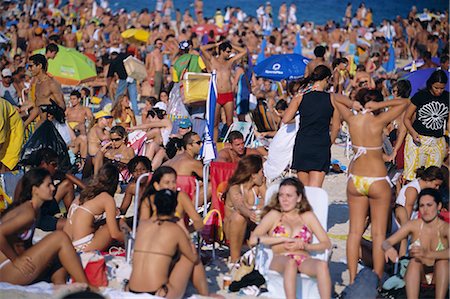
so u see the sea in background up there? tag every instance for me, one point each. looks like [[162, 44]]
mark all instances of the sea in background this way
[[317, 11]]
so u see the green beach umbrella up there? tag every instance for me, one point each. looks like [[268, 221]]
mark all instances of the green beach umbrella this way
[[70, 67]]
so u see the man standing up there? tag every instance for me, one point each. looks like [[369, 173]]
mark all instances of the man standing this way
[[223, 64], [154, 65], [125, 82], [77, 114], [47, 92]]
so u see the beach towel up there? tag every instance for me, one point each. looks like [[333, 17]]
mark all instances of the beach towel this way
[[280, 150]]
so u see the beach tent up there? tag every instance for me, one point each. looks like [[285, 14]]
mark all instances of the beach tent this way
[[419, 79], [282, 67]]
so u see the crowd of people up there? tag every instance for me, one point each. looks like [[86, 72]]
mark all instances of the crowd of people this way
[[114, 128]]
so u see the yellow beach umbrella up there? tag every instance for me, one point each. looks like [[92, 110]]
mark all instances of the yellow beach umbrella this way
[[139, 35]]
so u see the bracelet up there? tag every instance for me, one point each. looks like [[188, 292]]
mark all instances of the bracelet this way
[[386, 245]]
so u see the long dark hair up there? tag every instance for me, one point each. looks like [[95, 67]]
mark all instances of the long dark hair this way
[[33, 178], [365, 95], [105, 181], [320, 72], [156, 178], [303, 206], [247, 166], [430, 173], [438, 76]]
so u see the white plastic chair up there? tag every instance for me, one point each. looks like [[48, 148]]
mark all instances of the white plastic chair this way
[[306, 286]]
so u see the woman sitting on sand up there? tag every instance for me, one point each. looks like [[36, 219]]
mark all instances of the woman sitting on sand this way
[[288, 226], [429, 248], [158, 242], [96, 200], [368, 184], [244, 197], [23, 263], [115, 151], [166, 178]]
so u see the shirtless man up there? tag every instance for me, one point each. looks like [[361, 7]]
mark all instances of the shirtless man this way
[[115, 39], [69, 38], [362, 78], [421, 39], [238, 150], [76, 114], [37, 41], [335, 41], [47, 91], [185, 163], [319, 52], [22, 32], [144, 19], [154, 65], [223, 64]]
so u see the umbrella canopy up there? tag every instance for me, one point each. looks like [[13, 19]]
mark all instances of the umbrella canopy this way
[[282, 67], [136, 35], [70, 67], [420, 62], [206, 28], [419, 79]]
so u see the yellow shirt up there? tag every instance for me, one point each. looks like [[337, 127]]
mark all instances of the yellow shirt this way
[[11, 134]]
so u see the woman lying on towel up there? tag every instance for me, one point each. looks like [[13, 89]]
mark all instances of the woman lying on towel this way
[[95, 204], [159, 241], [20, 261], [288, 225], [165, 177], [429, 246]]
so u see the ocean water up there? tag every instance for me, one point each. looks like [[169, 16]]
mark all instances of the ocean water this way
[[317, 11]]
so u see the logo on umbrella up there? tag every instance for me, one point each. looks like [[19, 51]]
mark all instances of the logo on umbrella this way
[[276, 66]]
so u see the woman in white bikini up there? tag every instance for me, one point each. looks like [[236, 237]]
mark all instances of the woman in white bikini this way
[[23, 263], [95, 201], [429, 251], [242, 201], [368, 184]]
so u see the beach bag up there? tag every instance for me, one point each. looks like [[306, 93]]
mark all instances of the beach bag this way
[[176, 108], [135, 68], [213, 227], [365, 286], [45, 136], [95, 268], [247, 274]]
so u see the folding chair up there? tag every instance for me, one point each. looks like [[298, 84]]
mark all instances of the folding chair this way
[[191, 186], [220, 172], [246, 128], [306, 286]]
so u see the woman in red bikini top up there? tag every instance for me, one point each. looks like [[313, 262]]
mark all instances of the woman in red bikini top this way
[[288, 226]]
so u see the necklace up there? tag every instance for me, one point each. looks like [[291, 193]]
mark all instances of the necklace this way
[[40, 81]]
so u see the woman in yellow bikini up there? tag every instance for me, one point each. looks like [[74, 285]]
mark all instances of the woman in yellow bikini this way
[[288, 227], [368, 184], [429, 251], [123, 114]]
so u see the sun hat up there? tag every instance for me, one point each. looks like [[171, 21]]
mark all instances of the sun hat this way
[[102, 113], [161, 106]]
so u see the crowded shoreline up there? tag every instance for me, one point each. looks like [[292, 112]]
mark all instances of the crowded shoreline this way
[[230, 115]]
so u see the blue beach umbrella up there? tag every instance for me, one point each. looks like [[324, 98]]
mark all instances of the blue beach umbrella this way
[[208, 150], [282, 67], [419, 79]]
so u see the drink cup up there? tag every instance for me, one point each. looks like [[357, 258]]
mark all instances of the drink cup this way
[[226, 281]]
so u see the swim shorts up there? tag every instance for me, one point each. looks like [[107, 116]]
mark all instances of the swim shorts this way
[[223, 98]]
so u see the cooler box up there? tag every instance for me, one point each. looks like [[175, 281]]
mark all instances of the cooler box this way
[[196, 86]]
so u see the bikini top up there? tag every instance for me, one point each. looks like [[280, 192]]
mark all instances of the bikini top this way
[[362, 150], [256, 197], [75, 207], [440, 246], [127, 120], [304, 234]]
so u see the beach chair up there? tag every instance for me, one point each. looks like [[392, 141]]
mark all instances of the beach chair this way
[[306, 286], [246, 128], [191, 186], [220, 172], [260, 116]]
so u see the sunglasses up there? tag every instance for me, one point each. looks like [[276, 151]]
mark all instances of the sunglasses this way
[[198, 142], [53, 163], [116, 139]]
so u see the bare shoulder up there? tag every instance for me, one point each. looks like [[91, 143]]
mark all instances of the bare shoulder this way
[[444, 228]]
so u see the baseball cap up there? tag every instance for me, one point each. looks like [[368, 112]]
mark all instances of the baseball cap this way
[[161, 106], [6, 73], [102, 113], [185, 123]]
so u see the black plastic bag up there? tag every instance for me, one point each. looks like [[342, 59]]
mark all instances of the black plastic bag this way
[[45, 136]]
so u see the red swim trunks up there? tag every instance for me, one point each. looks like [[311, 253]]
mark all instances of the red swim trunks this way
[[223, 98]]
